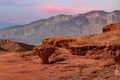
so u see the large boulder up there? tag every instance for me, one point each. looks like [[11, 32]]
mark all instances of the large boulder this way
[[44, 52]]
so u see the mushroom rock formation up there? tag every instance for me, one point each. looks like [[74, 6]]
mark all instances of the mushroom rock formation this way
[[44, 52], [115, 51]]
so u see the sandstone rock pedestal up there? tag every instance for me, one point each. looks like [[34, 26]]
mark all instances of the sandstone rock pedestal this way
[[44, 52]]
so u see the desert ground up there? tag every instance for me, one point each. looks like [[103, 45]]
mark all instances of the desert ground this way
[[24, 66]]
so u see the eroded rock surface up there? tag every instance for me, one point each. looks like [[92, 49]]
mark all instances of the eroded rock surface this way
[[59, 41], [44, 52], [111, 27], [93, 46]]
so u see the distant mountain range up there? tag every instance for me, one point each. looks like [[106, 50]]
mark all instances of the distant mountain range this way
[[61, 25]]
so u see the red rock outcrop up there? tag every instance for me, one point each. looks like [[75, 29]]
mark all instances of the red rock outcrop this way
[[44, 52], [59, 41], [111, 27], [93, 46]]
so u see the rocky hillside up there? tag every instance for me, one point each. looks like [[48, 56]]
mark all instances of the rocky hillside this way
[[91, 60], [60, 25], [93, 46], [7, 45]]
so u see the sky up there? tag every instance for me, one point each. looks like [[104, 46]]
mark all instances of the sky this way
[[19, 12]]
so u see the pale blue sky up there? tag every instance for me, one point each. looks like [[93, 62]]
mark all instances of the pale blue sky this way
[[14, 12]]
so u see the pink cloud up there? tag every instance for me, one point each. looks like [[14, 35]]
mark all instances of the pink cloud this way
[[56, 9], [51, 8]]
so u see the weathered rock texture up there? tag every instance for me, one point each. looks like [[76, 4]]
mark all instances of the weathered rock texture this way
[[44, 52], [59, 41], [111, 27], [93, 46]]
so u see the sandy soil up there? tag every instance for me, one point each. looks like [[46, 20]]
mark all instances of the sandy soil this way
[[21, 66]]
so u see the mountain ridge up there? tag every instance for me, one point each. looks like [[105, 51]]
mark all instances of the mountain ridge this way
[[61, 25]]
